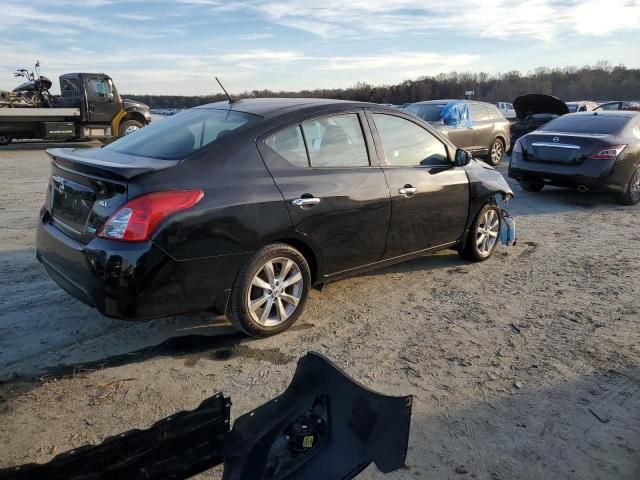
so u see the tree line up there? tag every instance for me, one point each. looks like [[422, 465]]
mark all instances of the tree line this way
[[601, 81]]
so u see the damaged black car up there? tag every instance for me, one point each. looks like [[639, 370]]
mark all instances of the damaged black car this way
[[241, 207], [589, 151]]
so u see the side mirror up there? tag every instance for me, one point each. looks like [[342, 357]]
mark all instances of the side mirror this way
[[461, 158]]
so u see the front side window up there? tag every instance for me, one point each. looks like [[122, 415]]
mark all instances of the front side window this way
[[100, 87], [336, 141], [289, 144], [406, 144], [183, 133]]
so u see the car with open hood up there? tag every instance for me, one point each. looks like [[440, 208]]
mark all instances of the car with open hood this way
[[241, 207], [589, 151], [477, 127], [534, 110]]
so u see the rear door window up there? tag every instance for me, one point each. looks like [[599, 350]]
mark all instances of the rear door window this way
[[495, 113], [289, 144], [479, 113], [336, 141], [406, 144]]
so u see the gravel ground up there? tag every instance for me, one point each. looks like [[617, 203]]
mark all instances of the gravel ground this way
[[524, 366]]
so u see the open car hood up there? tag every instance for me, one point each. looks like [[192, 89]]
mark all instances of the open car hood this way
[[532, 103]]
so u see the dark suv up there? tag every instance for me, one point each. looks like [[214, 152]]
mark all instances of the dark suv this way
[[241, 207], [477, 127]]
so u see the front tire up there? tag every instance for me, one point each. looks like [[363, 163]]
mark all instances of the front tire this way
[[5, 140], [129, 126], [631, 195], [483, 235], [270, 291], [496, 152]]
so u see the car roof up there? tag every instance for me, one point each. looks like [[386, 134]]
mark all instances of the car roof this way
[[270, 107]]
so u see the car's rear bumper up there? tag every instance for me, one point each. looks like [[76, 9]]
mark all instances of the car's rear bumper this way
[[597, 175], [134, 280]]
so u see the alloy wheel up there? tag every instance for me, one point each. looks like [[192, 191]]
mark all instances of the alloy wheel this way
[[131, 129], [487, 233], [276, 289], [635, 185], [496, 152]]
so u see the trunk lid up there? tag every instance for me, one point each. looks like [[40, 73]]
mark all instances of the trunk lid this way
[[533, 103], [561, 147], [88, 185]]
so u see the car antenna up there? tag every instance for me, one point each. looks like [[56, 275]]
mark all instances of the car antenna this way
[[224, 90]]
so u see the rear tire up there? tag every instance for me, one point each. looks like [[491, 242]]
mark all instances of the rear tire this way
[[631, 195], [5, 140], [532, 186], [496, 152], [484, 234], [129, 126], [270, 291]]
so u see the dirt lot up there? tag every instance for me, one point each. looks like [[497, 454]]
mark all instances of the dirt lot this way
[[524, 366]]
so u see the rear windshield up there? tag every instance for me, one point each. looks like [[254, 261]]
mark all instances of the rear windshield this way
[[429, 111], [586, 124], [182, 134]]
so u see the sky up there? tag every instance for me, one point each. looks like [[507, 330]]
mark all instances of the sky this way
[[176, 47]]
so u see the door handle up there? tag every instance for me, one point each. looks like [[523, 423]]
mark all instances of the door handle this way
[[305, 201], [407, 191]]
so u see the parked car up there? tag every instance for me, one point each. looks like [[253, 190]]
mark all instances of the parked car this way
[[533, 111], [477, 127], [507, 109], [242, 207], [619, 105], [581, 106], [590, 151]]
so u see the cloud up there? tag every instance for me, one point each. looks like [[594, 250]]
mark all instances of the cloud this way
[[502, 19]]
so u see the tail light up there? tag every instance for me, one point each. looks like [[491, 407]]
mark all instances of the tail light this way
[[608, 153], [137, 219], [517, 148]]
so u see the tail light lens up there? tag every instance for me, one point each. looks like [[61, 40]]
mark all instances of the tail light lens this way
[[517, 148], [608, 153], [137, 219]]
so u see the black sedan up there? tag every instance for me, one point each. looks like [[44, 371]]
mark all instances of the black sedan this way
[[241, 207], [597, 151]]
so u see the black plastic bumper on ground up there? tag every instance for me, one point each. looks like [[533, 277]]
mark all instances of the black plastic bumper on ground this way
[[324, 426], [134, 280]]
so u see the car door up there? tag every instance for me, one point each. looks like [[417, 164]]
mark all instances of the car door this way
[[333, 193], [101, 100], [482, 127], [429, 196]]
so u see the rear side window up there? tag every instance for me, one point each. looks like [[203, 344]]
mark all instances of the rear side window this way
[[336, 141], [586, 124], [406, 144], [289, 144], [182, 134], [479, 112]]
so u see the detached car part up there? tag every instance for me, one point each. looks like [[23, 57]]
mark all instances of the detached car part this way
[[324, 426]]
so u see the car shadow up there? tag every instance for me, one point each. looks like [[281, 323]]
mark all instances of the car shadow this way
[[430, 261]]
